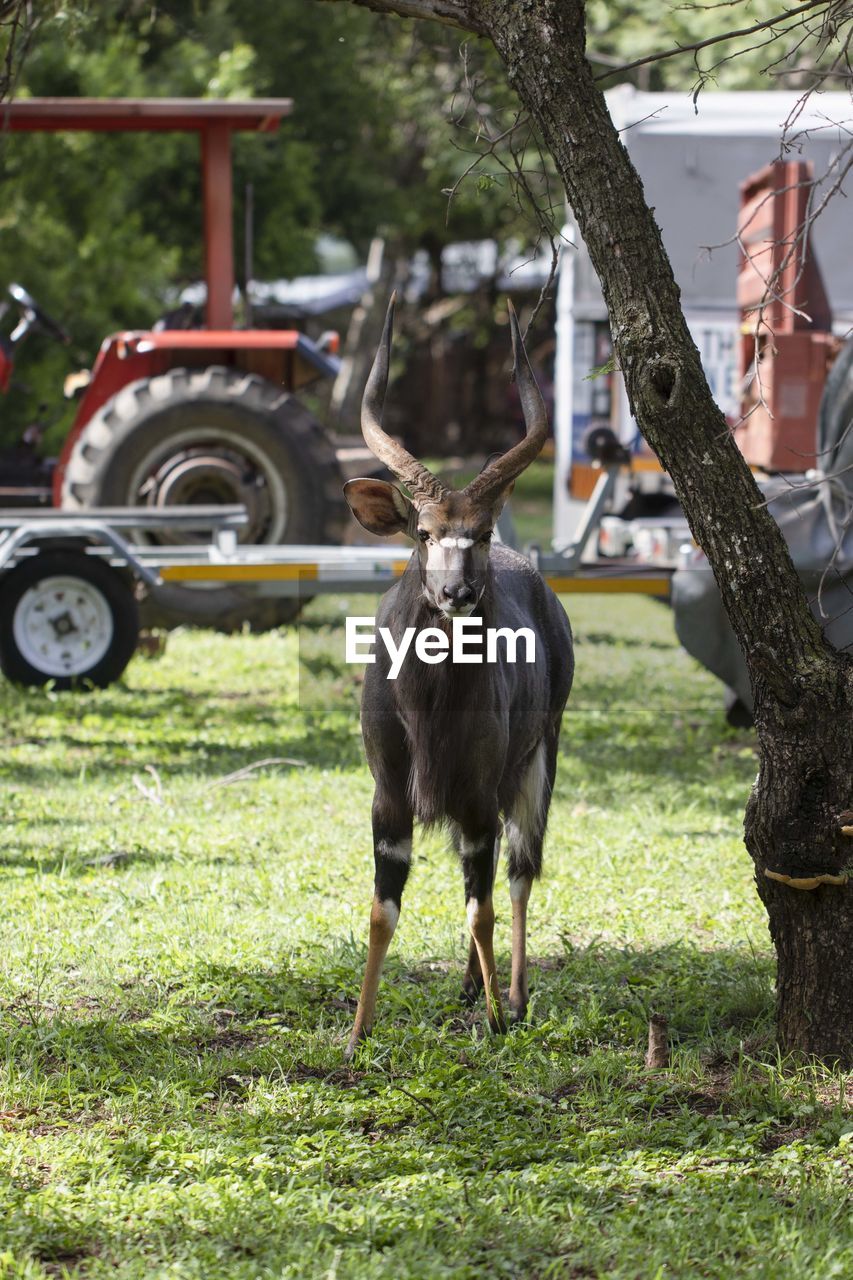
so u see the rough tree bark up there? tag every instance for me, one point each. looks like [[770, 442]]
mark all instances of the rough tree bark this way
[[803, 689]]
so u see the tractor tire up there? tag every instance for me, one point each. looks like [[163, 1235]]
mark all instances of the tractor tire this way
[[207, 436], [66, 619]]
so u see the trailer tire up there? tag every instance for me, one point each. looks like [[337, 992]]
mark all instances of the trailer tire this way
[[88, 640], [209, 435]]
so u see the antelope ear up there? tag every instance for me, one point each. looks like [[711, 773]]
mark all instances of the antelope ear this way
[[378, 507]]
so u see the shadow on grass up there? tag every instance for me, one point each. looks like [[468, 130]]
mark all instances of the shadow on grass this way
[[307, 734], [27, 853], [322, 730], [589, 997], [245, 1066], [322, 748], [609, 639], [611, 757]]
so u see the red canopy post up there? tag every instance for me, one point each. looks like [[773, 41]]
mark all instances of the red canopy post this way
[[218, 225]]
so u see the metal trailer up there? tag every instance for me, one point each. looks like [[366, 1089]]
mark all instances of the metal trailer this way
[[70, 583], [180, 414], [69, 586]]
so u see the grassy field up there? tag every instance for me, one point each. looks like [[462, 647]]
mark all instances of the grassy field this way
[[181, 944]]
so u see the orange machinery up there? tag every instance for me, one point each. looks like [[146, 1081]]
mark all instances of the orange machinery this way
[[786, 345]]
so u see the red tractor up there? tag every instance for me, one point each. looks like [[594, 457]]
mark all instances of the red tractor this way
[[184, 416]]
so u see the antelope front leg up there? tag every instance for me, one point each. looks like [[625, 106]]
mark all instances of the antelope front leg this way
[[392, 853], [478, 865]]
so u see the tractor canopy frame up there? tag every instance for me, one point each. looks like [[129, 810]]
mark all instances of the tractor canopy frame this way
[[213, 120], [285, 358]]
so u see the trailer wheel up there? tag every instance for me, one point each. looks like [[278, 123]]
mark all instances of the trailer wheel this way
[[208, 436], [66, 618]]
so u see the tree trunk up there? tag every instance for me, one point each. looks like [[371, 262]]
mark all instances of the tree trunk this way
[[792, 827], [386, 269], [803, 689]]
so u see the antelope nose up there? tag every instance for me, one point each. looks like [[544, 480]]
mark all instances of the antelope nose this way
[[459, 593]]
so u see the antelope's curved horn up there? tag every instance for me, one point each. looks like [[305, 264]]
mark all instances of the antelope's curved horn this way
[[420, 482], [498, 474]]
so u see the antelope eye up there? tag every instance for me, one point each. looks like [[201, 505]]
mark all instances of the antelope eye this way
[[486, 537], [424, 535]]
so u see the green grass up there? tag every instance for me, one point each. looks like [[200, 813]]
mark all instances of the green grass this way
[[532, 505], [179, 958]]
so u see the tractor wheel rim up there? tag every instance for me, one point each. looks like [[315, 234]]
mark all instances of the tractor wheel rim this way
[[189, 464], [63, 626], [208, 479]]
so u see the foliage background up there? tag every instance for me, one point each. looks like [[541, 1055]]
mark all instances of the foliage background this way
[[105, 230]]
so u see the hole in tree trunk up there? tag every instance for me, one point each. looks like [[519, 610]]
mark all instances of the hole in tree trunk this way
[[663, 380]]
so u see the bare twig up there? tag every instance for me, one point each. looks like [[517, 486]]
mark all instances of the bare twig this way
[[508, 148], [240, 774], [711, 40], [153, 794], [17, 24], [814, 483], [416, 1099]]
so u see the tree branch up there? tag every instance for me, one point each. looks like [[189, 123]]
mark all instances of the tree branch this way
[[704, 44], [453, 13], [19, 20]]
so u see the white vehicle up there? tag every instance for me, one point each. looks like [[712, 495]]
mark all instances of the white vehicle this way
[[692, 161]]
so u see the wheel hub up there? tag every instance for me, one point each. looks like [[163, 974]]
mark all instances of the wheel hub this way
[[63, 625], [205, 477]]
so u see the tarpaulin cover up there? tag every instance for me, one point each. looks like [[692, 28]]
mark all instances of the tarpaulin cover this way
[[815, 514]]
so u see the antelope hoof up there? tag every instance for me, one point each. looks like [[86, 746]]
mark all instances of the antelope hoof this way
[[357, 1038], [497, 1024], [471, 990], [517, 1014]]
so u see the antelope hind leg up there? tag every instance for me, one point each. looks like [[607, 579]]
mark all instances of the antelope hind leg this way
[[478, 865], [525, 833], [519, 892]]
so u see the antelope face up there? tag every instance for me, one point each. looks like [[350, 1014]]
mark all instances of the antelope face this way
[[452, 530], [453, 554], [453, 538]]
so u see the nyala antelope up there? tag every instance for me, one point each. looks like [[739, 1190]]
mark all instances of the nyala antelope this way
[[462, 745]]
